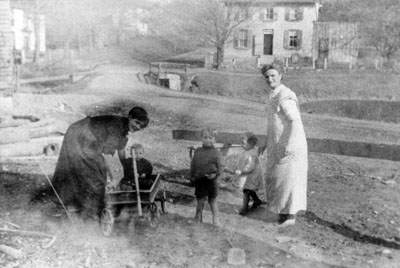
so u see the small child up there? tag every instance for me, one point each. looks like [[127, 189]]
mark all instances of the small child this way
[[205, 168], [248, 173], [144, 170]]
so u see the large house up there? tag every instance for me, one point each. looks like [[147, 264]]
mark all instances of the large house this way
[[274, 30]]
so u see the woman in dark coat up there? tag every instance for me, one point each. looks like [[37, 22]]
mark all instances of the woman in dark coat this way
[[80, 175]]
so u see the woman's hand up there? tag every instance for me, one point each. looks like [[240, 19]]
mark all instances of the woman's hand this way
[[230, 171], [261, 150], [285, 154], [238, 172]]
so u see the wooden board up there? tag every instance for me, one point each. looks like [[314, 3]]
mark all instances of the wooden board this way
[[326, 146]]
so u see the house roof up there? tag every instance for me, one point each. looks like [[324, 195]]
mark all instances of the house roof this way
[[192, 57], [277, 1]]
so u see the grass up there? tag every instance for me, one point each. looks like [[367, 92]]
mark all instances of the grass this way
[[308, 85], [375, 110], [249, 84]]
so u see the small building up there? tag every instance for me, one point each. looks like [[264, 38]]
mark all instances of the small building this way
[[338, 42]]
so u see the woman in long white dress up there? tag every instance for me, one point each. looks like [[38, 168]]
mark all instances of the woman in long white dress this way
[[287, 157]]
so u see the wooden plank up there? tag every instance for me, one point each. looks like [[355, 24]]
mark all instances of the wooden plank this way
[[55, 78], [325, 146]]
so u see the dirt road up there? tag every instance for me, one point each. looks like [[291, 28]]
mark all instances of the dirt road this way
[[353, 217]]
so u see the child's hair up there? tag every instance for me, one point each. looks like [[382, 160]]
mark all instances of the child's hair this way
[[208, 131], [251, 138], [137, 146]]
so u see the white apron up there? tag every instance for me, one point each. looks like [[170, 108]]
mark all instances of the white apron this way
[[286, 178]]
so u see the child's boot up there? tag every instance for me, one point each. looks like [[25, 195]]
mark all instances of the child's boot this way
[[214, 211], [256, 201], [245, 208], [216, 222]]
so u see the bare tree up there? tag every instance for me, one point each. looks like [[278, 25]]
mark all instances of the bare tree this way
[[204, 22], [217, 21]]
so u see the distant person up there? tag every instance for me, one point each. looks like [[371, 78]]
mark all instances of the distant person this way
[[81, 173], [144, 169], [287, 156], [205, 168], [234, 63], [248, 173]]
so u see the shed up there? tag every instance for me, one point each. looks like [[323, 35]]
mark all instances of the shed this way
[[338, 42]]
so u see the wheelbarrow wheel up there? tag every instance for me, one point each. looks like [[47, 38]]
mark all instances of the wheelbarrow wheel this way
[[162, 198], [107, 221], [131, 225], [154, 216]]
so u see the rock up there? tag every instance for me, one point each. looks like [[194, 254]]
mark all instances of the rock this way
[[283, 239], [390, 183], [236, 256], [386, 252]]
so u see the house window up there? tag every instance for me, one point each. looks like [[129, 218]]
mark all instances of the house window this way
[[268, 14], [244, 14], [292, 39], [243, 38], [294, 14]]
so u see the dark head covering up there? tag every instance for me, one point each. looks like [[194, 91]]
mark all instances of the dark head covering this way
[[273, 66], [251, 138], [140, 114]]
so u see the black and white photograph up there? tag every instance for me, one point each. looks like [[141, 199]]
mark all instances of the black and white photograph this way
[[199, 133]]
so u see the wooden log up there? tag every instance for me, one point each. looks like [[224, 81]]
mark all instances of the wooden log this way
[[13, 123], [46, 131], [15, 253], [32, 130], [326, 146], [32, 234], [33, 147]]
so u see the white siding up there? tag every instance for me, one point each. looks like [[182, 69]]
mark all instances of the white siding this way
[[279, 25]]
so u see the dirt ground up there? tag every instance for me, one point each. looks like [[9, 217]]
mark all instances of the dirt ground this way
[[353, 203]]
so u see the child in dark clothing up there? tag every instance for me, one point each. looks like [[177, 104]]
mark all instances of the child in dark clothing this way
[[144, 170], [205, 168]]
